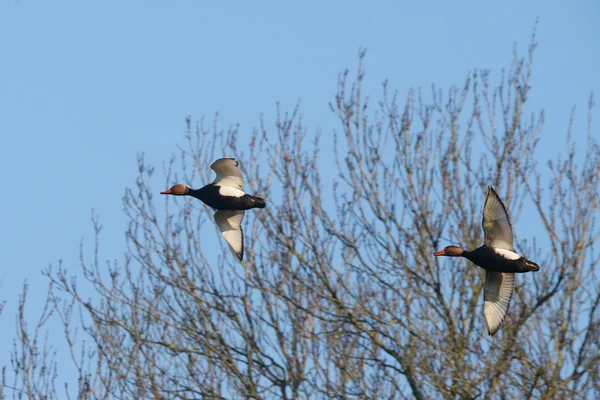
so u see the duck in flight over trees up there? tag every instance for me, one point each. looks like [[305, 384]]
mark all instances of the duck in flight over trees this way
[[226, 195], [498, 257]]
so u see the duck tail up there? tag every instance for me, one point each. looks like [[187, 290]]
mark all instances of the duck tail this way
[[258, 202]]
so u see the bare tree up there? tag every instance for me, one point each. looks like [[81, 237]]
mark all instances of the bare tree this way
[[339, 296]]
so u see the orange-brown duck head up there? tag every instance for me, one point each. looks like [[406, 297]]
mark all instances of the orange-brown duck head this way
[[450, 251], [177, 190]]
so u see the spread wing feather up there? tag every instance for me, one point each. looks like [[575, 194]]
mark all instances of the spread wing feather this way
[[496, 224], [497, 293], [230, 225], [228, 173]]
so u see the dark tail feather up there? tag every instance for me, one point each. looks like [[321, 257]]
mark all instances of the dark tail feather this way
[[258, 202]]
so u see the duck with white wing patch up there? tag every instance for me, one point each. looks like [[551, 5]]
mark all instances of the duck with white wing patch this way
[[498, 257], [226, 195]]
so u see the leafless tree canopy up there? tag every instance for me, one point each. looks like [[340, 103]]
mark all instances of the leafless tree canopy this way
[[339, 295]]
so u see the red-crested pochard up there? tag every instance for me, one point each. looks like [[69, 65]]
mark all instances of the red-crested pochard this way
[[226, 195], [498, 257]]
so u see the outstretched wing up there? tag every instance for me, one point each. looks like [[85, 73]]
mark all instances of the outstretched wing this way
[[496, 225], [230, 225], [497, 293], [228, 173]]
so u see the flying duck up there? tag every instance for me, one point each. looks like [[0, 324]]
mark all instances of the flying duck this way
[[226, 195], [498, 257]]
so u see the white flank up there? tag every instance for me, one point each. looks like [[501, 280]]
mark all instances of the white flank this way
[[497, 293], [509, 255], [230, 191], [230, 225]]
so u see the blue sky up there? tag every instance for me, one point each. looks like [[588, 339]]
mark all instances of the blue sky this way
[[85, 87]]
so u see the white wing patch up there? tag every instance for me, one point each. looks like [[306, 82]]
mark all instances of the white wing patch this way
[[510, 255], [228, 173], [230, 191], [497, 293], [230, 225]]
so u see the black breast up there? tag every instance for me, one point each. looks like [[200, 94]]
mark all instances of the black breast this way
[[210, 195], [486, 258]]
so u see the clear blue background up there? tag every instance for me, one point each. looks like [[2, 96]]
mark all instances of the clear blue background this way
[[85, 87]]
